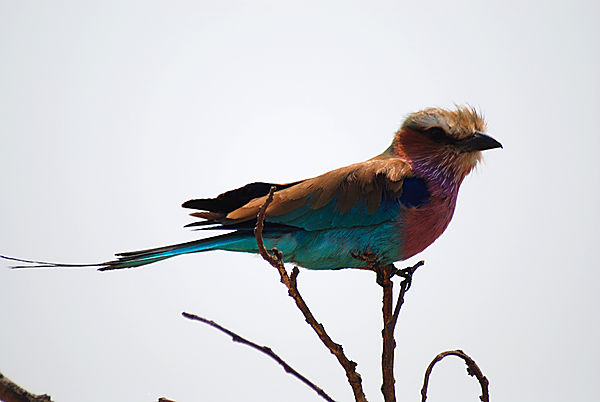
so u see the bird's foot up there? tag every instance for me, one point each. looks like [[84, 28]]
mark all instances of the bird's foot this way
[[367, 256]]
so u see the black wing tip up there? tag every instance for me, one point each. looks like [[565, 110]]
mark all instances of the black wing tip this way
[[205, 223], [234, 199], [196, 203]]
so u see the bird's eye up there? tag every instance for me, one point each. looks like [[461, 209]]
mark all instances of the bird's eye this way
[[437, 134]]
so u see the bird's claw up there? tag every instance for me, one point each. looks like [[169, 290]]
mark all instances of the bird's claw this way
[[367, 256]]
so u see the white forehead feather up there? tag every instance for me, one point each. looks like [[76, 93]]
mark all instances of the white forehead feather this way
[[459, 123]]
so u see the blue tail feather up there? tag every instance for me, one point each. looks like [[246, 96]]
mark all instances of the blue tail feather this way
[[138, 258], [143, 257]]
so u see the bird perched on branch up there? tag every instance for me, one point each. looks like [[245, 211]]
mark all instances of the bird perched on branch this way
[[391, 206]]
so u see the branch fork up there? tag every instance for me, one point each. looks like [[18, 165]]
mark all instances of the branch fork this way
[[384, 275], [276, 260]]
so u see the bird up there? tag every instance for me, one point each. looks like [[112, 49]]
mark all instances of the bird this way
[[391, 206]]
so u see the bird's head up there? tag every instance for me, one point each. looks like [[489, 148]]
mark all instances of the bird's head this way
[[438, 141]]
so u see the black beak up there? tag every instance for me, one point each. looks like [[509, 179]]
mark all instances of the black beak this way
[[478, 142]]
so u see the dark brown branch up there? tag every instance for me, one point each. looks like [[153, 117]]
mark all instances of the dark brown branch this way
[[11, 392], [276, 260], [264, 349], [472, 370], [384, 278]]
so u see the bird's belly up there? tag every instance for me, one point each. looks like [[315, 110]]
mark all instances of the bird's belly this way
[[421, 227], [336, 248]]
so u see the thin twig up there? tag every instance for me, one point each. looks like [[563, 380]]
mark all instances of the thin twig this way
[[276, 260], [264, 349], [258, 230], [472, 370], [11, 392], [406, 273]]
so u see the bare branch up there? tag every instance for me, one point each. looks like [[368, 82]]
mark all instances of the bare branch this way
[[384, 275], [384, 279], [260, 224], [264, 349], [472, 370], [11, 392], [405, 273], [275, 258]]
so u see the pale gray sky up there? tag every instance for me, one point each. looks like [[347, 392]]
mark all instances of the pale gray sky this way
[[113, 113]]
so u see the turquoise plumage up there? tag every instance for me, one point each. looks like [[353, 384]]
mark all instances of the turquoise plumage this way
[[393, 205]]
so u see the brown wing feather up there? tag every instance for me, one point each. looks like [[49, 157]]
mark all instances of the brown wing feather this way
[[365, 180]]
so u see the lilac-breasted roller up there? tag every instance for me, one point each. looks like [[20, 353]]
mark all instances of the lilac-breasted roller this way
[[393, 205]]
